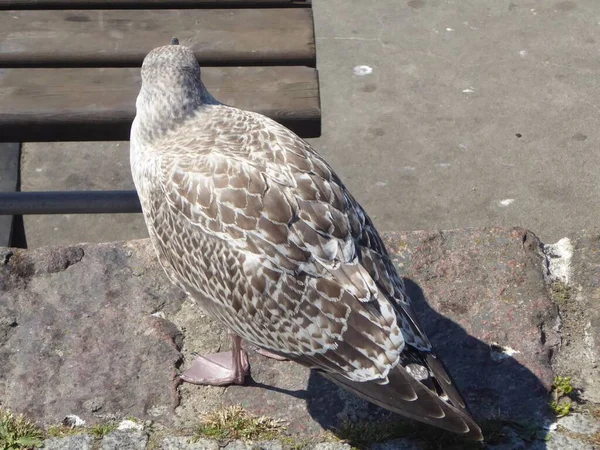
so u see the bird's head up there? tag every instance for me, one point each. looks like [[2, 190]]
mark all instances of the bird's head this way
[[172, 88], [171, 68]]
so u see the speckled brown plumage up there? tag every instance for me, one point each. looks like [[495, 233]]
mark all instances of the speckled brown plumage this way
[[257, 227]]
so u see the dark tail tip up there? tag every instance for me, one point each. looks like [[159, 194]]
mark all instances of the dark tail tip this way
[[174, 41]]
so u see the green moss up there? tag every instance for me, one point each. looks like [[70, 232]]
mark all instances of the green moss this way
[[235, 423], [561, 292], [59, 431], [17, 432], [561, 409], [102, 429], [562, 386], [295, 444], [154, 440], [561, 389]]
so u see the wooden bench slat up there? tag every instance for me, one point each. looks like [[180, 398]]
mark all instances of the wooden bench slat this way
[[122, 38], [99, 104], [108, 4]]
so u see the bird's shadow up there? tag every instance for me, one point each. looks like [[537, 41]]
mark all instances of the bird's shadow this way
[[499, 391]]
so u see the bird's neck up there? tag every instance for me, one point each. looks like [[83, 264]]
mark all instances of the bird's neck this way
[[160, 111]]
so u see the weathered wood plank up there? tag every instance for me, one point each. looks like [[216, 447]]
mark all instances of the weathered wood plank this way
[[122, 38], [99, 104], [110, 4], [10, 154]]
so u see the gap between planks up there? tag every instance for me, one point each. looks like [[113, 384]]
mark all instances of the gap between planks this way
[[150, 4]]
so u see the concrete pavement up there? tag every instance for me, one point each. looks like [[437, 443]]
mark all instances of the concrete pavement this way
[[436, 114], [476, 113]]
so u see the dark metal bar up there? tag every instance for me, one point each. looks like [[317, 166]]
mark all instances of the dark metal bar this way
[[69, 202]]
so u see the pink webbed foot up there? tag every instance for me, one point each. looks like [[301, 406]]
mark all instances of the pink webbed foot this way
[[217, 369], [220, 369]]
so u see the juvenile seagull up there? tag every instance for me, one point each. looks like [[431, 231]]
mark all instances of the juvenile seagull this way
[[254, 225]]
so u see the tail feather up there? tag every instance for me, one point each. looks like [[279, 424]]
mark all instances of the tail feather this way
[[445, 382], [427, 407]]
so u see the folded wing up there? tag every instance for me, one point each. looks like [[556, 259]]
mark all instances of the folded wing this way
[[306, 273]]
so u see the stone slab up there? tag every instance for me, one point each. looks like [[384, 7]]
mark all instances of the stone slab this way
[[98, 331], [486, 308], [124, 440], [76, 442], [183, 443], [580, 424], [487, 311], [581, 310], [77, 335]]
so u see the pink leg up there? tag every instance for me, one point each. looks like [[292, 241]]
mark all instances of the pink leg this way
[[268, 354], [220, 369]]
